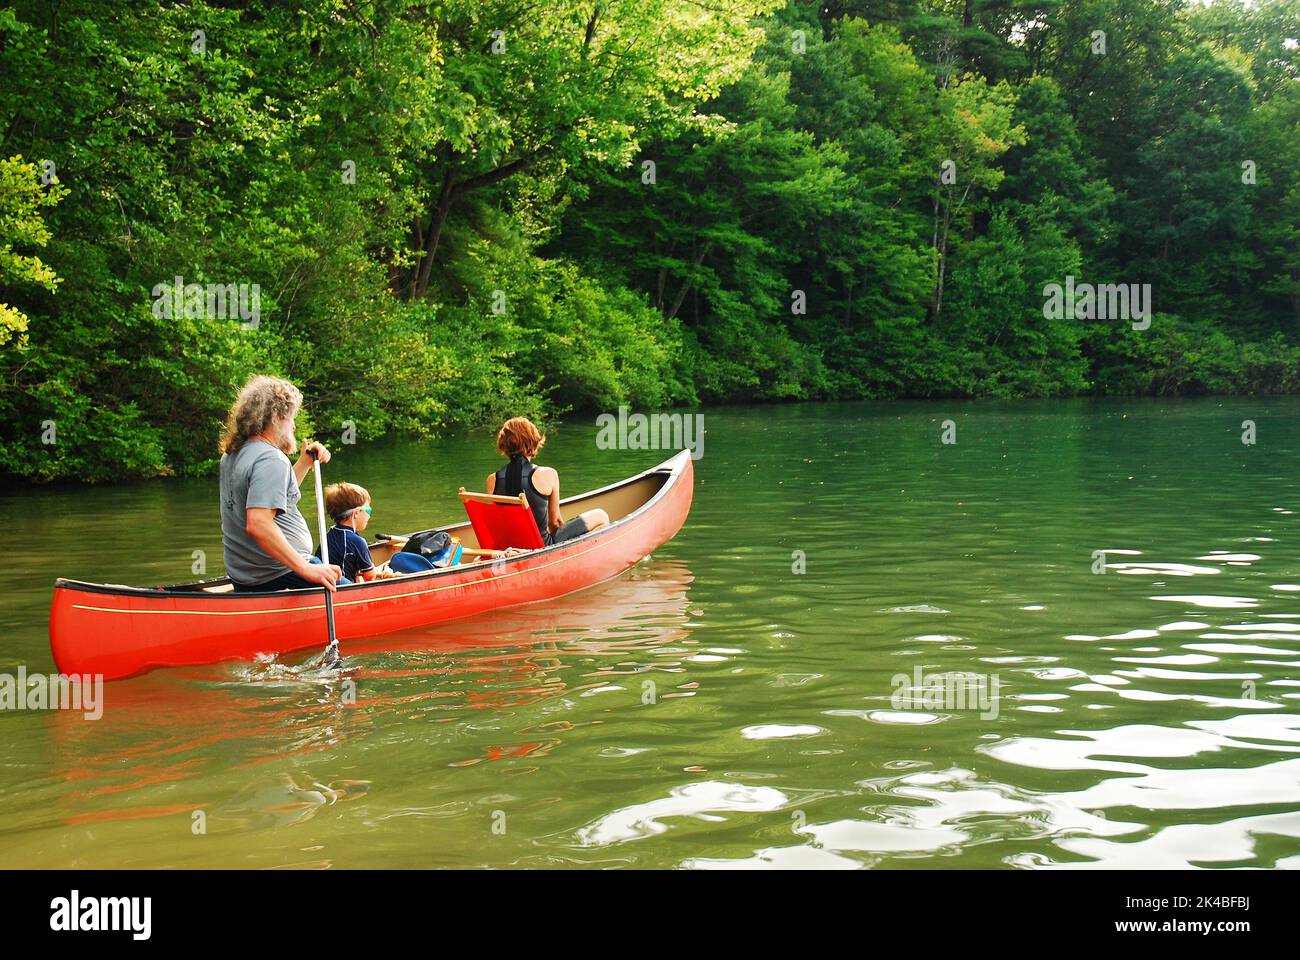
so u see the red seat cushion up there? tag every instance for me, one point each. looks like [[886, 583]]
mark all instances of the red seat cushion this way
[[501, 525]]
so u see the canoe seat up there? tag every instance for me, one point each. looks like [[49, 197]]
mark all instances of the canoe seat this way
[[502, 522]]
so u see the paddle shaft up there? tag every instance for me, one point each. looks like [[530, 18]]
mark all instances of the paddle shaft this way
[[331, 651], [475, 552]]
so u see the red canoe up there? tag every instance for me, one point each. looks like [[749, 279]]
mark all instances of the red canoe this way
[[121, 631]]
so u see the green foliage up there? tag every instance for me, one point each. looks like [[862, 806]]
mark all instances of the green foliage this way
[[449, 213], [1178, 357], [545, 329], [21, 225]]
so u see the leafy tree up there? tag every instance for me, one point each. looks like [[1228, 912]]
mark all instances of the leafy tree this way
[[21, 225], [977, 128], [566, 83], [1273, 135]]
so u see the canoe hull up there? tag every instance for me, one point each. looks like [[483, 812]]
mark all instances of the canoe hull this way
[[121, 631]]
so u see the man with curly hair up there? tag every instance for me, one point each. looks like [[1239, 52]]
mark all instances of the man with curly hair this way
[[266, 541]]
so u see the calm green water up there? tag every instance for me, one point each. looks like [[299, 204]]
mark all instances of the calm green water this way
[[1144, 717]]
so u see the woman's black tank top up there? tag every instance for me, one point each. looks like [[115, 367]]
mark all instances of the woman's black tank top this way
[[516, 477]]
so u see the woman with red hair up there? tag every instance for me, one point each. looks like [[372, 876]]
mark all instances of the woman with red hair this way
[[520, 440]]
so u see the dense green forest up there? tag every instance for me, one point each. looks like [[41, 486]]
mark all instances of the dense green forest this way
[[458, 210]]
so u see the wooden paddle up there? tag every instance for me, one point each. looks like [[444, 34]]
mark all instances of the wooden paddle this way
[[332, 658]]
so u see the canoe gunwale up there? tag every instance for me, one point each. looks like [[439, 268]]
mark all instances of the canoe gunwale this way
[[195, 590]]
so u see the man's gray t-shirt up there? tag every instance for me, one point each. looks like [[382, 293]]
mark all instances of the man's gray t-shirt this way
[[259, 475]]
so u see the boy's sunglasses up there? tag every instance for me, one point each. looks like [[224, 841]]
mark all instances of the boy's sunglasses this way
[[369, 512]]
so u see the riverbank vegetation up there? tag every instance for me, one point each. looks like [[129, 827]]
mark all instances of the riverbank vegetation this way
[[446, 212]]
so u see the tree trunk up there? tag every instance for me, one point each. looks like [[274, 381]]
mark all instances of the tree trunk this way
[[445, 198], [936, 304], [686, 287], [936, 295], [967, 16], [663, 278], [453, 189]]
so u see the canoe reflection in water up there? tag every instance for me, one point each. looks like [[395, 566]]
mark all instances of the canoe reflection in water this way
[[164, 733]]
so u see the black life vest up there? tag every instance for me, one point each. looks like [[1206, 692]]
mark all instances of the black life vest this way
[[516, 477]]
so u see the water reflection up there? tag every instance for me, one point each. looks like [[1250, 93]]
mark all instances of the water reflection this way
[[1195, 791]]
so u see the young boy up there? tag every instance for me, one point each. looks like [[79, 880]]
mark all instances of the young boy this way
[[349, 506]]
